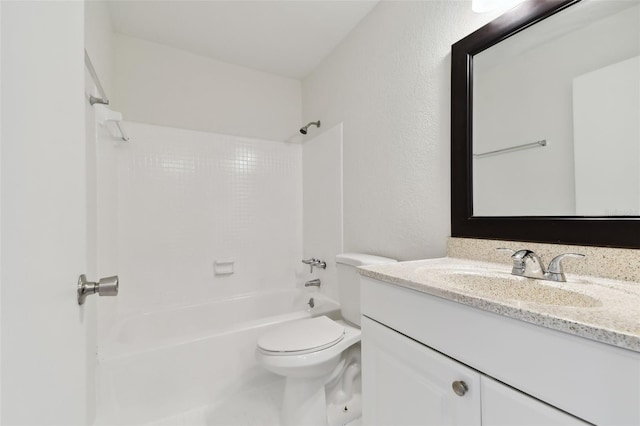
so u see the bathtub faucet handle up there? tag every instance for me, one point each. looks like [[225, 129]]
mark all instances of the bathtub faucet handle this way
[[310, 262], [320, 264], [315, 262], [313, 283]]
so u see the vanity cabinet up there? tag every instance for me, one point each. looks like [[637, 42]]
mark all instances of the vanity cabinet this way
[[408, 383], [415, 345], [504, 406]]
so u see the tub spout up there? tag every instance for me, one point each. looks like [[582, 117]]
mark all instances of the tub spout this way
[[313, 283]]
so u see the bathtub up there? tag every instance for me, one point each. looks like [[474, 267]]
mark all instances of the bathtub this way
[[157, 364]]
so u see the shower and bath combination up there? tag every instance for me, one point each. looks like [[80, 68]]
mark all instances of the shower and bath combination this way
[[303, 130]]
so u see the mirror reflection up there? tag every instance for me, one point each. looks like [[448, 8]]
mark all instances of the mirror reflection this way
[[556, 116]]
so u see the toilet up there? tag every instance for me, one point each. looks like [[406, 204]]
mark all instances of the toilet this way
[[311, 352]]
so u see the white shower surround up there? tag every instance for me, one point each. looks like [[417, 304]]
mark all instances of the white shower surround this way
[[188, 198], [170, 203]]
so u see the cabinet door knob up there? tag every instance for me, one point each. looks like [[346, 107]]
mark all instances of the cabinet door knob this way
[[459, 387]]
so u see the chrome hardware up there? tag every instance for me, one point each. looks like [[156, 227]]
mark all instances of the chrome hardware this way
[[103, 99], [105, 287], [459, 387], [93, 100], [528, 264], [525, 263], [313, 283], [315, 262], [309, 262], [311, 303], [556, 271]]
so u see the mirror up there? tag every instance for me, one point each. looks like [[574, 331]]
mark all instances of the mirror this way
[[546, 125]]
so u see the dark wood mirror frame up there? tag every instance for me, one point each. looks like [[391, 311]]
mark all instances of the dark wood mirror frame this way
[[579, 230]]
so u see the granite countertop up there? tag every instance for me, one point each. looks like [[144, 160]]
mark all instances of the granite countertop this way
[[603, 310]]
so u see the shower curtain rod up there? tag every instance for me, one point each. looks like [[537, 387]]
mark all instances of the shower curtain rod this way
[[103, 99]]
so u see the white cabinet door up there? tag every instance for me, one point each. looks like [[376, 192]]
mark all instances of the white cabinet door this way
[[502, 405], [406, 383]]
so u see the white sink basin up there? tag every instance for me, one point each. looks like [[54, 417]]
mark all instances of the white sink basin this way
[[497, 285]]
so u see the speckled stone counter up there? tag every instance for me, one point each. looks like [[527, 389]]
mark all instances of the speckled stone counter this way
[[604, 262], [604, 310]]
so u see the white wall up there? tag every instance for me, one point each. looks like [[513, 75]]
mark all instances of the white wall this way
[[525, 95], [188, 198], [389, 82], [160, 85], [322, 204]]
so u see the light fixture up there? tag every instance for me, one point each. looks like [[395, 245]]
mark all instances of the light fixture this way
[[482, 6]]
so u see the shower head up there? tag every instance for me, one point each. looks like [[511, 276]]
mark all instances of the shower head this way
[[303, 130]]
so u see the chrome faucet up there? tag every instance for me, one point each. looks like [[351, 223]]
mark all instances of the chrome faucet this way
[[556, 271], [313, 283], [527, 263], [315, 262]]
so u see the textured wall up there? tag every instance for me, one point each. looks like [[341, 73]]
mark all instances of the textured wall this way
[[160, 85], [389, 82]]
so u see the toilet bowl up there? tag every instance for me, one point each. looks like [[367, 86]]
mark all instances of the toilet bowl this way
[[307, 348], [306, 366], [311, 352]]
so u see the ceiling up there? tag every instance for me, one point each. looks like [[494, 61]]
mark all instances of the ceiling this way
[[288, 38]]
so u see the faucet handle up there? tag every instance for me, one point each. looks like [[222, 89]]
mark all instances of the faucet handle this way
[[521, 254], [518, 263], [528, 264], [310, 262], [314, 262], [556, 271]]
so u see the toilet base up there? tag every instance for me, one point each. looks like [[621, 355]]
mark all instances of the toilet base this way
[[304, 402], [304, 399]]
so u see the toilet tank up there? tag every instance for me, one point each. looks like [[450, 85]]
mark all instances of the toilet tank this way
[[349, 282]]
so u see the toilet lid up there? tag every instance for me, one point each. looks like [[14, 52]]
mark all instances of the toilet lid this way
[[304, 335]]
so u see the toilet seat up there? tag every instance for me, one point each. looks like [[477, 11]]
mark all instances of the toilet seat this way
[[302, 337]]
